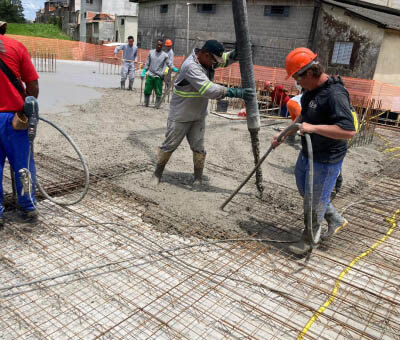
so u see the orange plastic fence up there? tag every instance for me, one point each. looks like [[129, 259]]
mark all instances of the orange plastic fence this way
[[361, 89]]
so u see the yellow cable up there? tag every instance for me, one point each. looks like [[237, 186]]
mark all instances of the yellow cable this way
[[387, 141], [392, 222], [397, 148]]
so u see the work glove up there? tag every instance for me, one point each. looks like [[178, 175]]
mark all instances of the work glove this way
[[143, 73], [245, 93], [175, 69]]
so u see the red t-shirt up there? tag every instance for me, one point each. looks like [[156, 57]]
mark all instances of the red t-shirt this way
[[16, 57]]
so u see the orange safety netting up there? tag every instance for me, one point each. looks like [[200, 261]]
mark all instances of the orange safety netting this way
[[359, 89]]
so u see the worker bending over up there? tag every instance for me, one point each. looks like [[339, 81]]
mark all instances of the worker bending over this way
[[326, 115], [156, 62], [14, 143], [128, 62], [193, 87], [294, 109]]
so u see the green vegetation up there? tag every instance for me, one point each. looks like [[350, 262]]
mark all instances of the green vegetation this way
[[11, 11], [37, 30]]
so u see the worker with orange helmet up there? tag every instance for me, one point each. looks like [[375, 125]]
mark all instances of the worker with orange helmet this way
[[170, 53], [328, 118]]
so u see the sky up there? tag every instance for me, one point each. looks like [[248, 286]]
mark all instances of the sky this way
[[30, 8]]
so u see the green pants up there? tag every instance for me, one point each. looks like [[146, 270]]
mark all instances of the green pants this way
[[153, 83]]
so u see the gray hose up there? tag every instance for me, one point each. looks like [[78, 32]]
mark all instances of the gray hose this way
[[240, 19], [290, 128], [308, 197], [85, 169], [243, 47]]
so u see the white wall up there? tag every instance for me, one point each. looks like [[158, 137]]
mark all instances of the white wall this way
[[388, 66], [389, 3], [120, 7], [129, 28]]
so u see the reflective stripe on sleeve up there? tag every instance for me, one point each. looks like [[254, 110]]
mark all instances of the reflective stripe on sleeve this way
[[187, 94], [205, 87], [225, 56]]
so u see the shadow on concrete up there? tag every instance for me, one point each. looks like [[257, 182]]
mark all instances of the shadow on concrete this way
[[184, 180]]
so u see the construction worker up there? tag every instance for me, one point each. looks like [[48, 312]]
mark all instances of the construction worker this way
[[16, 67], [170, 52], [156, 62], [193, 87], [294, 109], [280, 98], [129, 58], [327, 117]]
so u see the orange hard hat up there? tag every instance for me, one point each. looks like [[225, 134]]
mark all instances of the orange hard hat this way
[[168, 42], [298, 59]]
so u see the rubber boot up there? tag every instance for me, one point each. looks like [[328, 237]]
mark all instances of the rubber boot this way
[[162, 160], [146, 100], [122, 84], [130, 85], [302, 246], [198, 162], [335, 222], [158, 99]]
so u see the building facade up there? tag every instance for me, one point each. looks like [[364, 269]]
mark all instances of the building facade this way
[[274, 30], [352, 38], [106, 20]]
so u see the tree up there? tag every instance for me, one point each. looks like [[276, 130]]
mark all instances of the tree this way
[[20, 9], [11, 11]]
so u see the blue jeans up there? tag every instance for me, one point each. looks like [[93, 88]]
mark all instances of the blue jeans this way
[[325, 176], [14, 144], [284, 111]]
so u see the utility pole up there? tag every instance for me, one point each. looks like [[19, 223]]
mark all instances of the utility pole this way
[[188, 27], [239, 9], [82, 26]]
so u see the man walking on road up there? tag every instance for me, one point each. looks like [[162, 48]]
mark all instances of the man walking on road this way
[[128, 62], [156, 62], [16, 68], [326, 115], [193, 87]]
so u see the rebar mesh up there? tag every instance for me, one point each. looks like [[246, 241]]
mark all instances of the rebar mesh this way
[[118, 266]]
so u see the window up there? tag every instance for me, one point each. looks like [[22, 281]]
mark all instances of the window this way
[[276, 11], [342, 53], [89, 2], [206, 8], [122, 22], [163, 8]]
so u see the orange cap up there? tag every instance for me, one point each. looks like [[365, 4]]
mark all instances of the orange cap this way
[[298, 59], [168, 42]]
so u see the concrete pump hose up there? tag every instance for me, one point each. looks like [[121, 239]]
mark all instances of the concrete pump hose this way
[[84, 165], [290, 128], [308, 196]]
